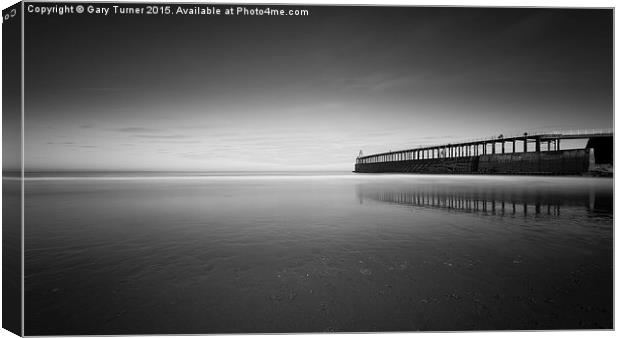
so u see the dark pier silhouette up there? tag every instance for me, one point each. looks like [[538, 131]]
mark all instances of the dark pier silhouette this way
[[535, 153]]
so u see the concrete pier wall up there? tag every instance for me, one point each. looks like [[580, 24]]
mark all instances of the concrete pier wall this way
[[603, 149], [564, 162]]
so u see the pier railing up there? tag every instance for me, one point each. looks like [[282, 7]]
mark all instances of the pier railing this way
[[531, 133]]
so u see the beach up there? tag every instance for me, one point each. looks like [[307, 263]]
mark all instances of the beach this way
[[298, 252]]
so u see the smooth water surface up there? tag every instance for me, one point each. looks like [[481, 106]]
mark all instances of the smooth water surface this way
[[300, 252]]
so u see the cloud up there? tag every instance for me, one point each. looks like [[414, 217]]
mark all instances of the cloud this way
[[71, 144], [172, 141], [61, 143], [138, 130], [204, 126], [162, 137]]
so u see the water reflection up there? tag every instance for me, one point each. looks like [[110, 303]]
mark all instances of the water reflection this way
[[299, 254], [530, 197]]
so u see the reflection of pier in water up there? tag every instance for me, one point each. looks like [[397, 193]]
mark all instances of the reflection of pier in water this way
[[467, 204], [490, 200]]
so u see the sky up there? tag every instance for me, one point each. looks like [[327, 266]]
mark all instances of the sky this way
[[306, 92]]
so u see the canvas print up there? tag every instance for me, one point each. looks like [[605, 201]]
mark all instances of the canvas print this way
[[196, 168]]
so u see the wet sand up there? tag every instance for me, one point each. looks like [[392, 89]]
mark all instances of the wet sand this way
[[312, 253]]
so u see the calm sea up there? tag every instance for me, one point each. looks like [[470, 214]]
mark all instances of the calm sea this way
[[128, 253]]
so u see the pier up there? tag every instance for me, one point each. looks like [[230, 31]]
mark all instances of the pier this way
[[528, 153]]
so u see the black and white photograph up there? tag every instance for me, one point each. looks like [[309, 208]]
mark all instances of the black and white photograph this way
[[198, 168]]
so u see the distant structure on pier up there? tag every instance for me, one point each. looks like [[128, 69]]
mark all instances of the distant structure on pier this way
[[525, 154]]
